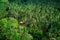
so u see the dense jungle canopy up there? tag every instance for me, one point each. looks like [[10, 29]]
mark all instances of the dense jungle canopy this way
[[29, 19]]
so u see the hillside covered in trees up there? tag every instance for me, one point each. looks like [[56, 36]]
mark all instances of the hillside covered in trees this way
[[29, 19]]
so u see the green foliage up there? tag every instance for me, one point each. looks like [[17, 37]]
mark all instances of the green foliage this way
[[3, 0], [29, 20], [10, 30]]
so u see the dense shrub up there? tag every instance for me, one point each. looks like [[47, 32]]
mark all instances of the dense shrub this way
[[10, 30]]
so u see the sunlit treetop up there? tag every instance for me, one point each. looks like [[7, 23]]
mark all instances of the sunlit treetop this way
[[3, 0]]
